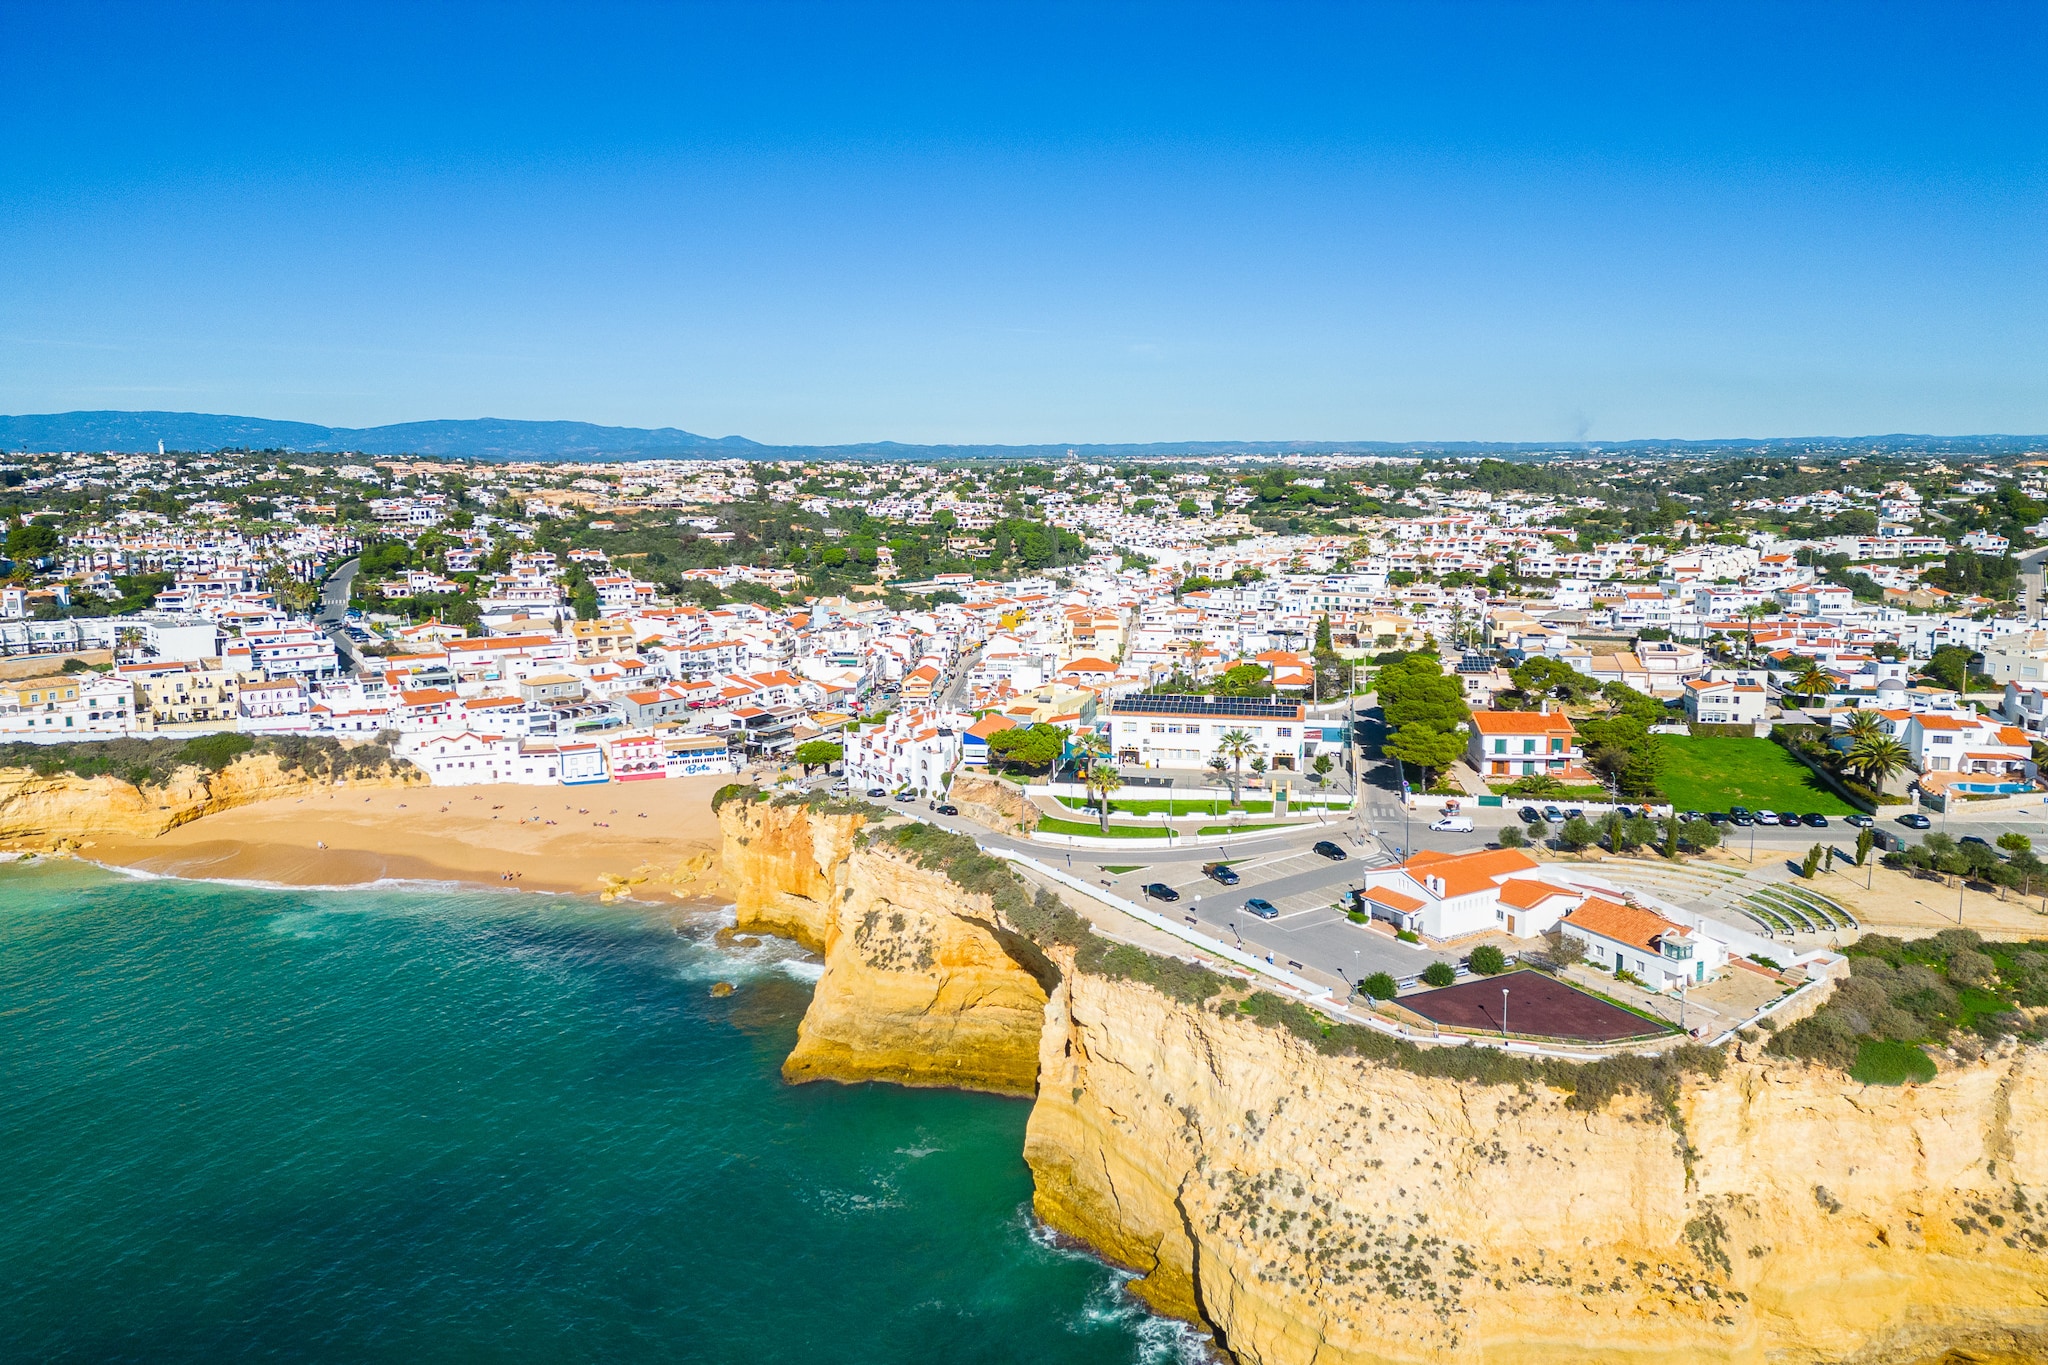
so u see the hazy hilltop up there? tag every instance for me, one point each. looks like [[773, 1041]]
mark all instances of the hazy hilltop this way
[[498, 438], [483, 438]]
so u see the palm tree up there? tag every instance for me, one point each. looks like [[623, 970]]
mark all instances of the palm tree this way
[[1236, 746], [1863, 725], [1812, 681], [1878, 758], [1754, 612], [1101, 779]]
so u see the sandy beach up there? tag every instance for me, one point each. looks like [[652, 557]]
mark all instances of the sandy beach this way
[[573, 839]]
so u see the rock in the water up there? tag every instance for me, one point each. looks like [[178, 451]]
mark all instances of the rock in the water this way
[[721, 988]]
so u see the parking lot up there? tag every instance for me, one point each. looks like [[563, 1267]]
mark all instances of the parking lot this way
[[1304, 887]]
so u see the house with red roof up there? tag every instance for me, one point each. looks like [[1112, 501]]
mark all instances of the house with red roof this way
[[1521, 743]]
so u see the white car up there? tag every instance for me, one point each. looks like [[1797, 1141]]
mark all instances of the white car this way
[[1453, 824]]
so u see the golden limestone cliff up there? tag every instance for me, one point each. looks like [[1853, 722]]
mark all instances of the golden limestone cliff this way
[[1328, 1209], [918, 985], [56, 811], [1312, 1209]]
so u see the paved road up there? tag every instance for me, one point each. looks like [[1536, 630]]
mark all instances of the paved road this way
[[334, 610], [1311, 932]]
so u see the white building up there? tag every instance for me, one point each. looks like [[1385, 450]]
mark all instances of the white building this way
[[1165, 731]]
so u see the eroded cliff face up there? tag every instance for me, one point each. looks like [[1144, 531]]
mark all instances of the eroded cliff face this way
[[58, 811], [1312, 1208], [921, 987], [1317, 1210]]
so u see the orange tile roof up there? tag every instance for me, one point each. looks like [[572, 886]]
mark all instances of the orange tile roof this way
[[1393, 900], [1944, 723], [1464, 873], [1628, 924], [1520, 723], [1526, 893]]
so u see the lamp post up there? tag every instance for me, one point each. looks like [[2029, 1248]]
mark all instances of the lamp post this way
[[1503, 1012]]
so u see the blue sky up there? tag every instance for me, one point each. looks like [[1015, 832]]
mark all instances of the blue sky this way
[[819, 223]]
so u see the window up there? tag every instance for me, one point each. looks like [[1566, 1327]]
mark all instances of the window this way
[[1286, 731]]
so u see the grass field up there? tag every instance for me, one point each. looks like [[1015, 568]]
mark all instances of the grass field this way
[[1094, 830], [1712, 772]]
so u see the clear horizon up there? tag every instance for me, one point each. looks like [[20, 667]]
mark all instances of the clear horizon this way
[[817, 225]]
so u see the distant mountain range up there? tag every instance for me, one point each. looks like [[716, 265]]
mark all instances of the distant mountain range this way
[[495, 438]]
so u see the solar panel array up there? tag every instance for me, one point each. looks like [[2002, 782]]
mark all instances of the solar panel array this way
[[1168, 704]]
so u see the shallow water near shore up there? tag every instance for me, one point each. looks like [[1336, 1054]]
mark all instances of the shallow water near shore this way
[[401, 1124]]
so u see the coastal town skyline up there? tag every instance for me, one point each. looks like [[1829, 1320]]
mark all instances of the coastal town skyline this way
[[1142, 684]]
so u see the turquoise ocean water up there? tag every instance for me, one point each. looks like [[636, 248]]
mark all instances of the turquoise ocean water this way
[[418, 1125]]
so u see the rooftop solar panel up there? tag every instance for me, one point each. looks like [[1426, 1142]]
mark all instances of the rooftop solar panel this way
[[1156, 704]]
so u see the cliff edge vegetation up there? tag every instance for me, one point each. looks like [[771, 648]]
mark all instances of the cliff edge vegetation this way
[[1314, 1191], [54, 795]]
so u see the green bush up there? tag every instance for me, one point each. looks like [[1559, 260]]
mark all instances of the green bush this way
[[1439, 974], [1379, 986], [1408, 936], [1887, 1063], [1487, 960]]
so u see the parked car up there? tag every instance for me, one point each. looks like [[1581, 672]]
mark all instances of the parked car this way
[[1913, 819], [877, 793], [1160, 891], [1815, 821], [1529, 815], [1552, 815], [1453, 824], [1717, 817], [1860, 821], [1262, 908], [1329, 850], [1222, 874], [906, 796], [1741, 818], [1974, 839], [948, 809], [1740, 810], [1574, 814], [1692, 815]]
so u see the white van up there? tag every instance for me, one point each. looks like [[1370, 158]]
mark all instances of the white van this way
[[1453, 824]]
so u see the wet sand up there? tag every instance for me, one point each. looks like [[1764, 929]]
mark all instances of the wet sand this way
[[569, 839]]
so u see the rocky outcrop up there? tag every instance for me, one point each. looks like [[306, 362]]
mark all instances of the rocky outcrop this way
[[1327, 1209], [920, 986], [1309, 1207], [994, 803], [58, 810]]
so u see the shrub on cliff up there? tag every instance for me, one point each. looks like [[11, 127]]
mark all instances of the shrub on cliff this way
[[154, 762], [1044, 918], [1379, 986], [1590, 1084], [733, 791], [1904, 994]]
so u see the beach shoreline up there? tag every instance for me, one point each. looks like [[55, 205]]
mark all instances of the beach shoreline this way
[[656, 841]]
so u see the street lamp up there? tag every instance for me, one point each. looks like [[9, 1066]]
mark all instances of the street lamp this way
[[1503, 1011]]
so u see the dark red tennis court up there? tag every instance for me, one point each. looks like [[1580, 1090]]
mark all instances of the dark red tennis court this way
[[1537, 1005]]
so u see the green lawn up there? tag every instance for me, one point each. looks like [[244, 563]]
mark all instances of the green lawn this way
[[1713, 772], [1094, 829]]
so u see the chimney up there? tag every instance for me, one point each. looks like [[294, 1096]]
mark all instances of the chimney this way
[[1545, 708]]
